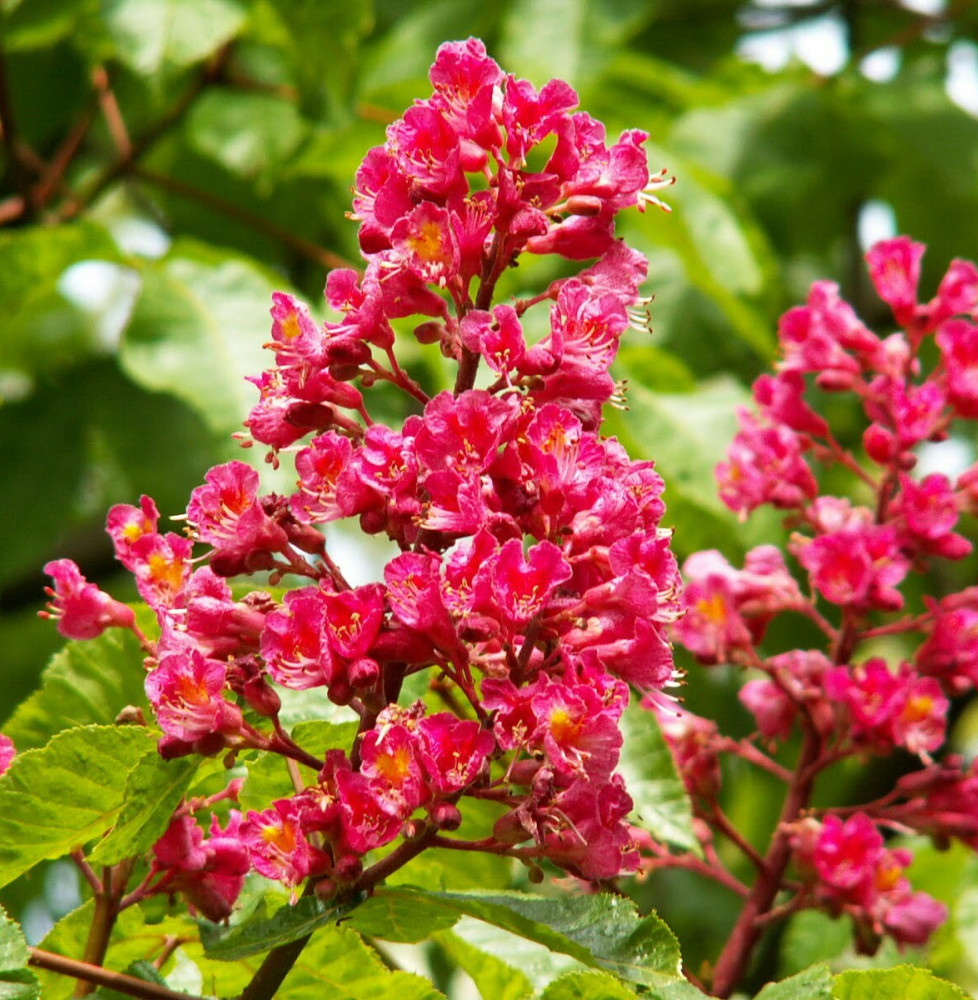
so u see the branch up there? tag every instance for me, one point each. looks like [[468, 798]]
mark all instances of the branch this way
[[126, 162], [736, 954], [321, 256], [95, 974], [279, 961]]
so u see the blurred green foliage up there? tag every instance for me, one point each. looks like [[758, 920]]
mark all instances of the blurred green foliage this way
[[165, 164]]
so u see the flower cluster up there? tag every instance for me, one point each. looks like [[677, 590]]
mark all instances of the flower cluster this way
[[852, 871], [911, 387], [533, 578]]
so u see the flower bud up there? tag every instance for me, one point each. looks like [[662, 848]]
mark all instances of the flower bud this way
[[446, 816]]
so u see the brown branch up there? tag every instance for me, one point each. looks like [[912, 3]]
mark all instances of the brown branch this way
[[211, 73], [279, 961], [736, 954], [96, 975], [318, 254], [111, 112]]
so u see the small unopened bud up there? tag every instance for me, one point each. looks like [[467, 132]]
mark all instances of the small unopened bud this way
[[524, 771], [326, 889], [208, 746], [345, 372], [534, 873], [261, 697], [340, 692], [430, 332], [446, 816], [131, 715], [170, 748], [363, 673], [584, 204], [348, 868], [879, 444], [415, 828]]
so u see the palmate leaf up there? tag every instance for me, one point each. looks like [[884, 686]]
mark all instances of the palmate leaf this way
[[68, 793], [587, 986]]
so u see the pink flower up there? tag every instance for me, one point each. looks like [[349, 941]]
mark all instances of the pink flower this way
[[226, 513], [711, 628], [277, 846], [522, 585], [847, 855], [958, 341], [185, 691], [956, 295], [392, 759], [764, 465], [950, 651], [127, 524], [208, 872], [894, 266], [929, 510], [859, 567], [453, 751], [321, 468], [293, 644], [81, 609], [771, 707]]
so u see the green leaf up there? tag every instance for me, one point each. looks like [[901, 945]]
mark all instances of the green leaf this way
[[661, 803], [17, 982], [85, 683], [494, 978], [397, 917], [196, 332], [587, 986], [39, 23], [600, 931], [812, 936], [905, 982], [154, 789], [57, 799], [812, 984], [337, 965], [160, 36], [254, 931], [249, 134]]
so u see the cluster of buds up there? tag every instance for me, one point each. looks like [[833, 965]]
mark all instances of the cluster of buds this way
[[911, 386], [532, 580]]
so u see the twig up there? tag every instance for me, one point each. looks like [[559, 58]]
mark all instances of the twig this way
[[124, 164], [326, 258], [97, 976], [111, 112]]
